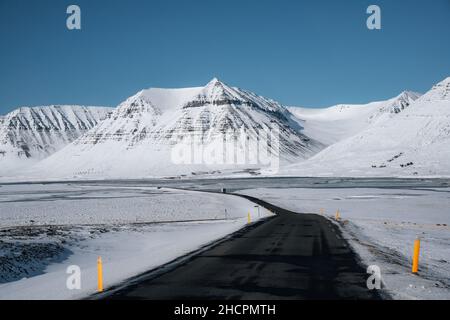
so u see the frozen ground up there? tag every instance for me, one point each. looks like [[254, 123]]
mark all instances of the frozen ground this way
[[46, 228], [382, 225]]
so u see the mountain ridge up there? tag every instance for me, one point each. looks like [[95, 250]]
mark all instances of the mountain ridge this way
[[148, 126], [413, 143], [29, 134], [407, 134], [332, 124]]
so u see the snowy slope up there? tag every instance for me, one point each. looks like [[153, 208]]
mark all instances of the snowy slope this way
[[31, 134], [167, 132], [414, 142], [330, 125]]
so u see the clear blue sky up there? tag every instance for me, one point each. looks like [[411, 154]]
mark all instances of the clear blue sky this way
[[312, 53]]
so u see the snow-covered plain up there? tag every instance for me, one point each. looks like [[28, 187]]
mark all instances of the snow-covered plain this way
[[46, 228], [382, 225]]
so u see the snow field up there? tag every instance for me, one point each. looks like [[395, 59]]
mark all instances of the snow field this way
[[124, 227]]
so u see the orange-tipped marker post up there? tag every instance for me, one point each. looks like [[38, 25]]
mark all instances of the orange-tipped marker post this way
[[99, 275], [338, 215], [415, 264]]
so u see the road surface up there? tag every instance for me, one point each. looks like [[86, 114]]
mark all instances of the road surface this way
[[287, 256]]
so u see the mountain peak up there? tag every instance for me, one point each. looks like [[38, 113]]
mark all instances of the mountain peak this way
[[408, 94], [33, 133], [399, 103], [214, 81], [440, 91], [403, 100], [217, 91]]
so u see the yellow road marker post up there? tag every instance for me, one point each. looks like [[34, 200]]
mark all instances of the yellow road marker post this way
[[99, 275], [338, 215], [415, 264], [249, 218]]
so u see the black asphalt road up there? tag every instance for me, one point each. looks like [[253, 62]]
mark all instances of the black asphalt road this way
[[288, 256]]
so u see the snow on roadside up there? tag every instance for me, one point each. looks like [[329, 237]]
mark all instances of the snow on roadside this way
[[41, 253], [382, 224]]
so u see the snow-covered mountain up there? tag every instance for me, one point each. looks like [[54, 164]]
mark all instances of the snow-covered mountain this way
[[414, 142], [330, 125], [168, 132], [31, 134]]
